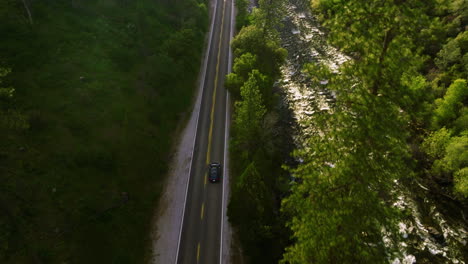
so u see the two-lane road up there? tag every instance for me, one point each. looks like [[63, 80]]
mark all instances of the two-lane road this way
[[200, 235]]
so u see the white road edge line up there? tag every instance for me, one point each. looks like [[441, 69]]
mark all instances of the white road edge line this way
[[224, 180], [226, 135], [201, 86]]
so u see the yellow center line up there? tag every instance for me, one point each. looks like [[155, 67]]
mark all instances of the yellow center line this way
[[206, 176], [215, 86], [202, 210], [210, 133]]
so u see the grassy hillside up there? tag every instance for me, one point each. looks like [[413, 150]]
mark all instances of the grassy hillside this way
[[103, 85]]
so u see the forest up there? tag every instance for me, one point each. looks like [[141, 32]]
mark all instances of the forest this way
[[88, 109], [400, 117], [259, 135], [92, 94]]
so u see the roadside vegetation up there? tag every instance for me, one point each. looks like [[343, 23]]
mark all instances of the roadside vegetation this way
[[91, 93], [258, 136], [400, 116]]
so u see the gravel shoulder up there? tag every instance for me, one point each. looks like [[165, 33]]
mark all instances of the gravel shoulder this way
[[168, 216]]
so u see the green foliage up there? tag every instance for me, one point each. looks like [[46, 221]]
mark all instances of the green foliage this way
[[451, 106], [434, 145], [267, 17], [447, 67], [459, 8], [268, 53], [403, 55], [384, 101], [453, 57], [380, 36], [249, 114], [253, 50], [344, 176], [100, 87], [446, 147], [445, 43], [250, 210], [416, 101], [449, 154], [453, 161], [243, 65], [461, 123], [357, 153], [242, 17], [456, 156], [257, 148], [461, 182], [449, 55], [447, 151]]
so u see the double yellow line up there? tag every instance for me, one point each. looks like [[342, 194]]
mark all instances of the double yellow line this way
[[210, 133], [215, 86]]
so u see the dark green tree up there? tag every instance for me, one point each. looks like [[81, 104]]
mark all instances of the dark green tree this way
[[248, 119], [250, 210], [267, 17], [452, 105], [243, 65], [269, 54]]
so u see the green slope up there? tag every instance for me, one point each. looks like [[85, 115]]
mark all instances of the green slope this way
[[103, 85]]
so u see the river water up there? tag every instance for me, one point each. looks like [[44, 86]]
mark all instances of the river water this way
[[434, 229]]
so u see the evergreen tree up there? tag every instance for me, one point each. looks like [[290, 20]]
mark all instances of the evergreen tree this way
[[341, 206], [250, 112]]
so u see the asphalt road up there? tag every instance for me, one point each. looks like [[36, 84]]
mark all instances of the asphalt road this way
[[200, 238]]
